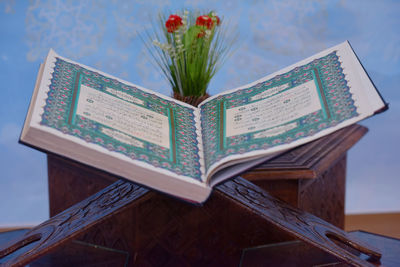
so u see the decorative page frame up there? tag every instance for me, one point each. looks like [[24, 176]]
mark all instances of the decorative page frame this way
[[334, 93], [182, 158]]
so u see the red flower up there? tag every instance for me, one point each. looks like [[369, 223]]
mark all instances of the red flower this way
[[173, 23], [204, 21]]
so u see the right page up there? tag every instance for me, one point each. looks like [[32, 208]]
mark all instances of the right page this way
[[296, 105]]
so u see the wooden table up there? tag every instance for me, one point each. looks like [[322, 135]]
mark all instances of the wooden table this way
[[298, 253]]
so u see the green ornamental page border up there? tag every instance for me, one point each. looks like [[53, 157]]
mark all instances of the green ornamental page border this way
[[60, 113], [334, 94]]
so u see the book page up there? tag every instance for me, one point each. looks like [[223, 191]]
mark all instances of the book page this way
[[125, 117], [277, 112], [139, 126], [273, 111]]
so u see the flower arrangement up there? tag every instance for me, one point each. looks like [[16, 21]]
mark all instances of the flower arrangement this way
[[189, 48]]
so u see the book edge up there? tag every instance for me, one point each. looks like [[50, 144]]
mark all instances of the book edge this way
[[385, 104], [190, 190], [32, 102]]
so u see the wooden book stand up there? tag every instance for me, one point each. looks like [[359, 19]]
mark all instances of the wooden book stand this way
[[158, 230]]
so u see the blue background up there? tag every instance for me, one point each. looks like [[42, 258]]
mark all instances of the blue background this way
[[273, 34]]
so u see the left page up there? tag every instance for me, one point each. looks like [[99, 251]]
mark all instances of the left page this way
[[100, 112]]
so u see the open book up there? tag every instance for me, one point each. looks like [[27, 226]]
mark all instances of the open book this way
[[100, 120]]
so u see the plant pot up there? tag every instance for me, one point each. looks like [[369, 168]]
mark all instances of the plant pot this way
[[191, 100]]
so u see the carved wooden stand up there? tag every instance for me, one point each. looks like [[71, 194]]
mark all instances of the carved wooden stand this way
[[158, 230]]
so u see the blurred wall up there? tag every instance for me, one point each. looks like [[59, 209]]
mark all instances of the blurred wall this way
[[273, 34]]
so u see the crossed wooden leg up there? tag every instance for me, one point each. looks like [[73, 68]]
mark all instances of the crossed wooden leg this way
[[122, 195]]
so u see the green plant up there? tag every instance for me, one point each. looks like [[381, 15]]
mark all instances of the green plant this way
[[189, 48]]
